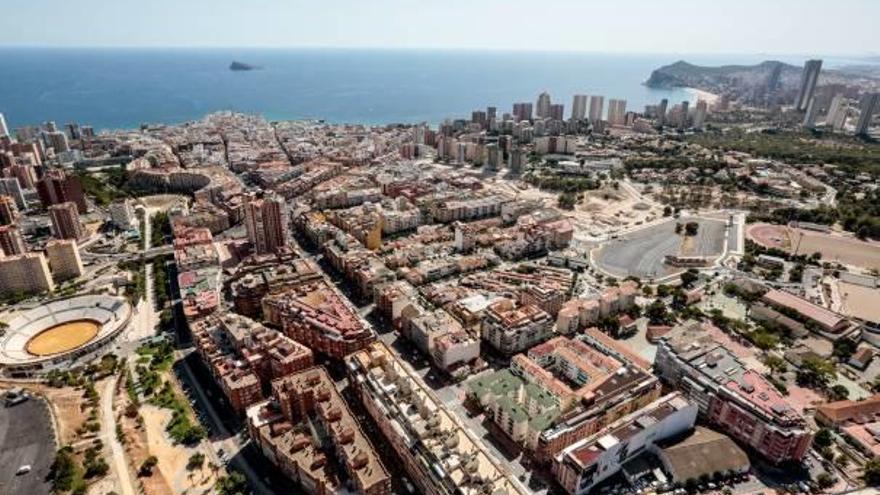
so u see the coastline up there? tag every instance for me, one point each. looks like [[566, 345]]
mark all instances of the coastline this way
[[700, 94], [125, 89]]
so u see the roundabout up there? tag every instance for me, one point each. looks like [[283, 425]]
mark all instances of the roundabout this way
[[60, 333]]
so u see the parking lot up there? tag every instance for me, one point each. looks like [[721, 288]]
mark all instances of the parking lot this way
[[26, 438], [641, 253]]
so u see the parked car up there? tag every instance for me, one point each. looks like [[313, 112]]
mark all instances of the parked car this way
[[15, 396]]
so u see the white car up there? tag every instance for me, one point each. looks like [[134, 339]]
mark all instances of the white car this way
[[23, 470]]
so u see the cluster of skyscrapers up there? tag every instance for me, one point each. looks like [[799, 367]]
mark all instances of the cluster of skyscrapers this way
[[25, 175], [812, 103], [547, 116], [583, 107]]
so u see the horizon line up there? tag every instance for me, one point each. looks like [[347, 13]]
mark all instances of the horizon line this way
[[23, 46]]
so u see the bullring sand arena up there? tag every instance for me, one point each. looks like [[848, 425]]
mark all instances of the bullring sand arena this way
[[834, 247], [59, 333], [62, 338]]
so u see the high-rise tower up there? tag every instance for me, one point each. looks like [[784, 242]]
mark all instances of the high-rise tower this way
[[809, 80]]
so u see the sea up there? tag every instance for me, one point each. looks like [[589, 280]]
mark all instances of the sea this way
[[124, 88]]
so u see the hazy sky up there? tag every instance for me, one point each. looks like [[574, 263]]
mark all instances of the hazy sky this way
[[665, 26]]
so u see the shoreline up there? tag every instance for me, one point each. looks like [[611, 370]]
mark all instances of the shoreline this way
[[300, 84], [700, 94]]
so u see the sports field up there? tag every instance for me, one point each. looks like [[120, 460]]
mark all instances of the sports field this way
[[62, 338], [860, 301], [833, 247]]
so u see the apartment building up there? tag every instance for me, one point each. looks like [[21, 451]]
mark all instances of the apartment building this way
[[345, 198], [244, 356], [559, 392], [532, 239], [440, 336], [316, 314], [468, 209], [266, 224], [27, 272], [65, 221], [8, 210], [578, 314], [250, 284], [315, 172], [358, 265], [122, 214], [730, 395], [313, 456], [64, 260], [400, 216], [10, 186], [439, 453], [510, 327], [364, 223], [199, 271], [586, 463], [549, 299], [11, 240], [57, 186]]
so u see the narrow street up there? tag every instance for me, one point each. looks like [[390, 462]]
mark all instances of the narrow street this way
[[221, 438]]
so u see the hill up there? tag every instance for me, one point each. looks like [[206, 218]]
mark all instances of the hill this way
[[684, 74]]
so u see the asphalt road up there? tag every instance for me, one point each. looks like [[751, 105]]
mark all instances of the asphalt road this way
[[26, 437]]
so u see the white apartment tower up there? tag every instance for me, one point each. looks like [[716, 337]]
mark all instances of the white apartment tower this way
[[836, 117], [616, 112], [122, 214], [700, 114], [869, 104], [64, 260], [596, 104], [809, 81], [579, 107], [542, 107]]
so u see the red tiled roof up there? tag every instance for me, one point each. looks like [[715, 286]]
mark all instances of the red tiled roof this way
[[847, 410], [826, 318]]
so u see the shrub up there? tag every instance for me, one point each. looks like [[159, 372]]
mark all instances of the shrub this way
[[147, 466]]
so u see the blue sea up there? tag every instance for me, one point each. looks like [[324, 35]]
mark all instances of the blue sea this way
[[123, 88]]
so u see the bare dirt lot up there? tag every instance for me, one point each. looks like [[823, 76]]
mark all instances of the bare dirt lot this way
[[859, 301], [173, 457], [833, 247], [137, 450]]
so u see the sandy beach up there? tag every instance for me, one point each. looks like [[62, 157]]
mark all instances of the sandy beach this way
[[704, 95]]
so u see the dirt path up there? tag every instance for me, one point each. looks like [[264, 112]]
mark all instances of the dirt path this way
[[108, 431]]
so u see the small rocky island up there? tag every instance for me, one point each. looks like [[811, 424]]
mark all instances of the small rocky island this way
[[241, 66]]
